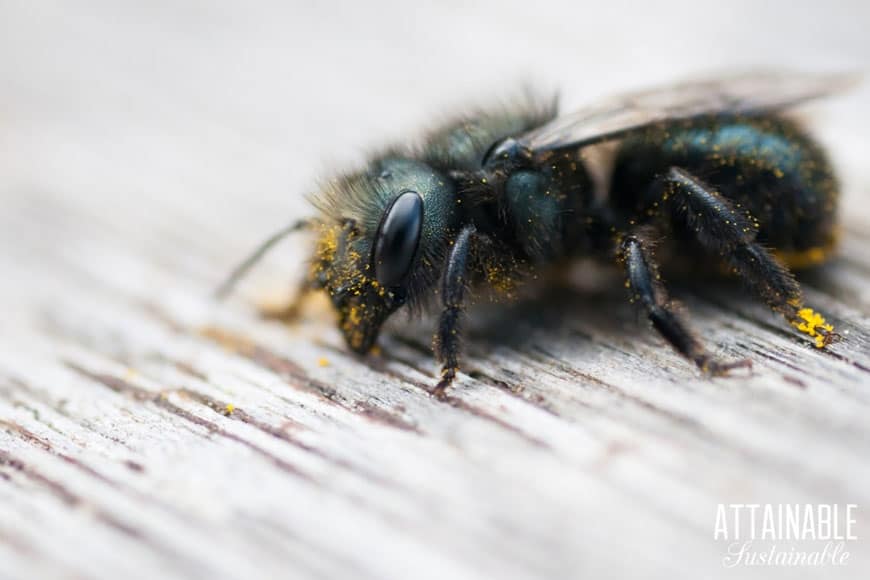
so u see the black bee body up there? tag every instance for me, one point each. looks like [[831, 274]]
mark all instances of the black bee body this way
[[530, 210], [767, 167], [712, 169]]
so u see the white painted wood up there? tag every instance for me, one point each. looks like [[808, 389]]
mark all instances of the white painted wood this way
[[146, 431]]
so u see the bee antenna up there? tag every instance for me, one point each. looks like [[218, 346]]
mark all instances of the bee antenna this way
[[239, 271]]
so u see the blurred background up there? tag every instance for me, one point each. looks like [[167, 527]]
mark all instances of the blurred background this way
[[226, 113], [146, 146]]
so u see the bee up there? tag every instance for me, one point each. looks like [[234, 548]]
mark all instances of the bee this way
[[712, 168]]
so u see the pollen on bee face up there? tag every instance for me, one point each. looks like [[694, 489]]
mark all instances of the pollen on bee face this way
[[325, 250]]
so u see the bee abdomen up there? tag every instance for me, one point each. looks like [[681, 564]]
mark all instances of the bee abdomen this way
[[768, 167]]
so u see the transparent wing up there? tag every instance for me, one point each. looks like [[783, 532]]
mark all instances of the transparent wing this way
[[745, 93]]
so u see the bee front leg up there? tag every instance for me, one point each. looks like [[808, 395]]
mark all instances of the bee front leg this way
[[447, 340], [646, 288]]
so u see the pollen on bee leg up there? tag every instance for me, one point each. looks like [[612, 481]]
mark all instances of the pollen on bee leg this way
[[815, 326]]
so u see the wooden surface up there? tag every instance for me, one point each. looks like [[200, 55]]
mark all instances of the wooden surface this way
[[146, 431]]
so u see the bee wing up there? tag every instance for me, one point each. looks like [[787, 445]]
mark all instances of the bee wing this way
[[746, 93]]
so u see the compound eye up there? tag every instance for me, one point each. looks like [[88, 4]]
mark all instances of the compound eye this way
[[398, 238]]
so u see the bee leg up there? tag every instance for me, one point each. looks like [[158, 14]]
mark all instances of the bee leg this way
[[646, 288], [723, 230], [448, 337]]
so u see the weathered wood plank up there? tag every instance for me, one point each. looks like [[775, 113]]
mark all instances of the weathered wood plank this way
[[574, 428], [147, 431]]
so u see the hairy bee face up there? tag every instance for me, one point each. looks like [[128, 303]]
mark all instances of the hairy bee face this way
[[381, 243], [342, 267]]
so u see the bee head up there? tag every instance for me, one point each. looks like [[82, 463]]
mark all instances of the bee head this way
[[382, 239]]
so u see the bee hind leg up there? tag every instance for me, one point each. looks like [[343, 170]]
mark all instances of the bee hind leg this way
[[720, 229], [647, 290], [448, 337]]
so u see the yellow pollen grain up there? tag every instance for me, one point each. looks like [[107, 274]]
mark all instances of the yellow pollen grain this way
[[813, 325], [323, 362], [230, 408]]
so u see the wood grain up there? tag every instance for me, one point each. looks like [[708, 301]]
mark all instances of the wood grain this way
[[146, 428], [147, 431]]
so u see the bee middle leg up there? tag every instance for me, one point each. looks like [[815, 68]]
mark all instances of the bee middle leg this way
[[448, 337], [722, 230], [647, 289]]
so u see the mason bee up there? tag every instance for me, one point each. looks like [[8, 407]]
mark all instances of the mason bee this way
[[713, 167]]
